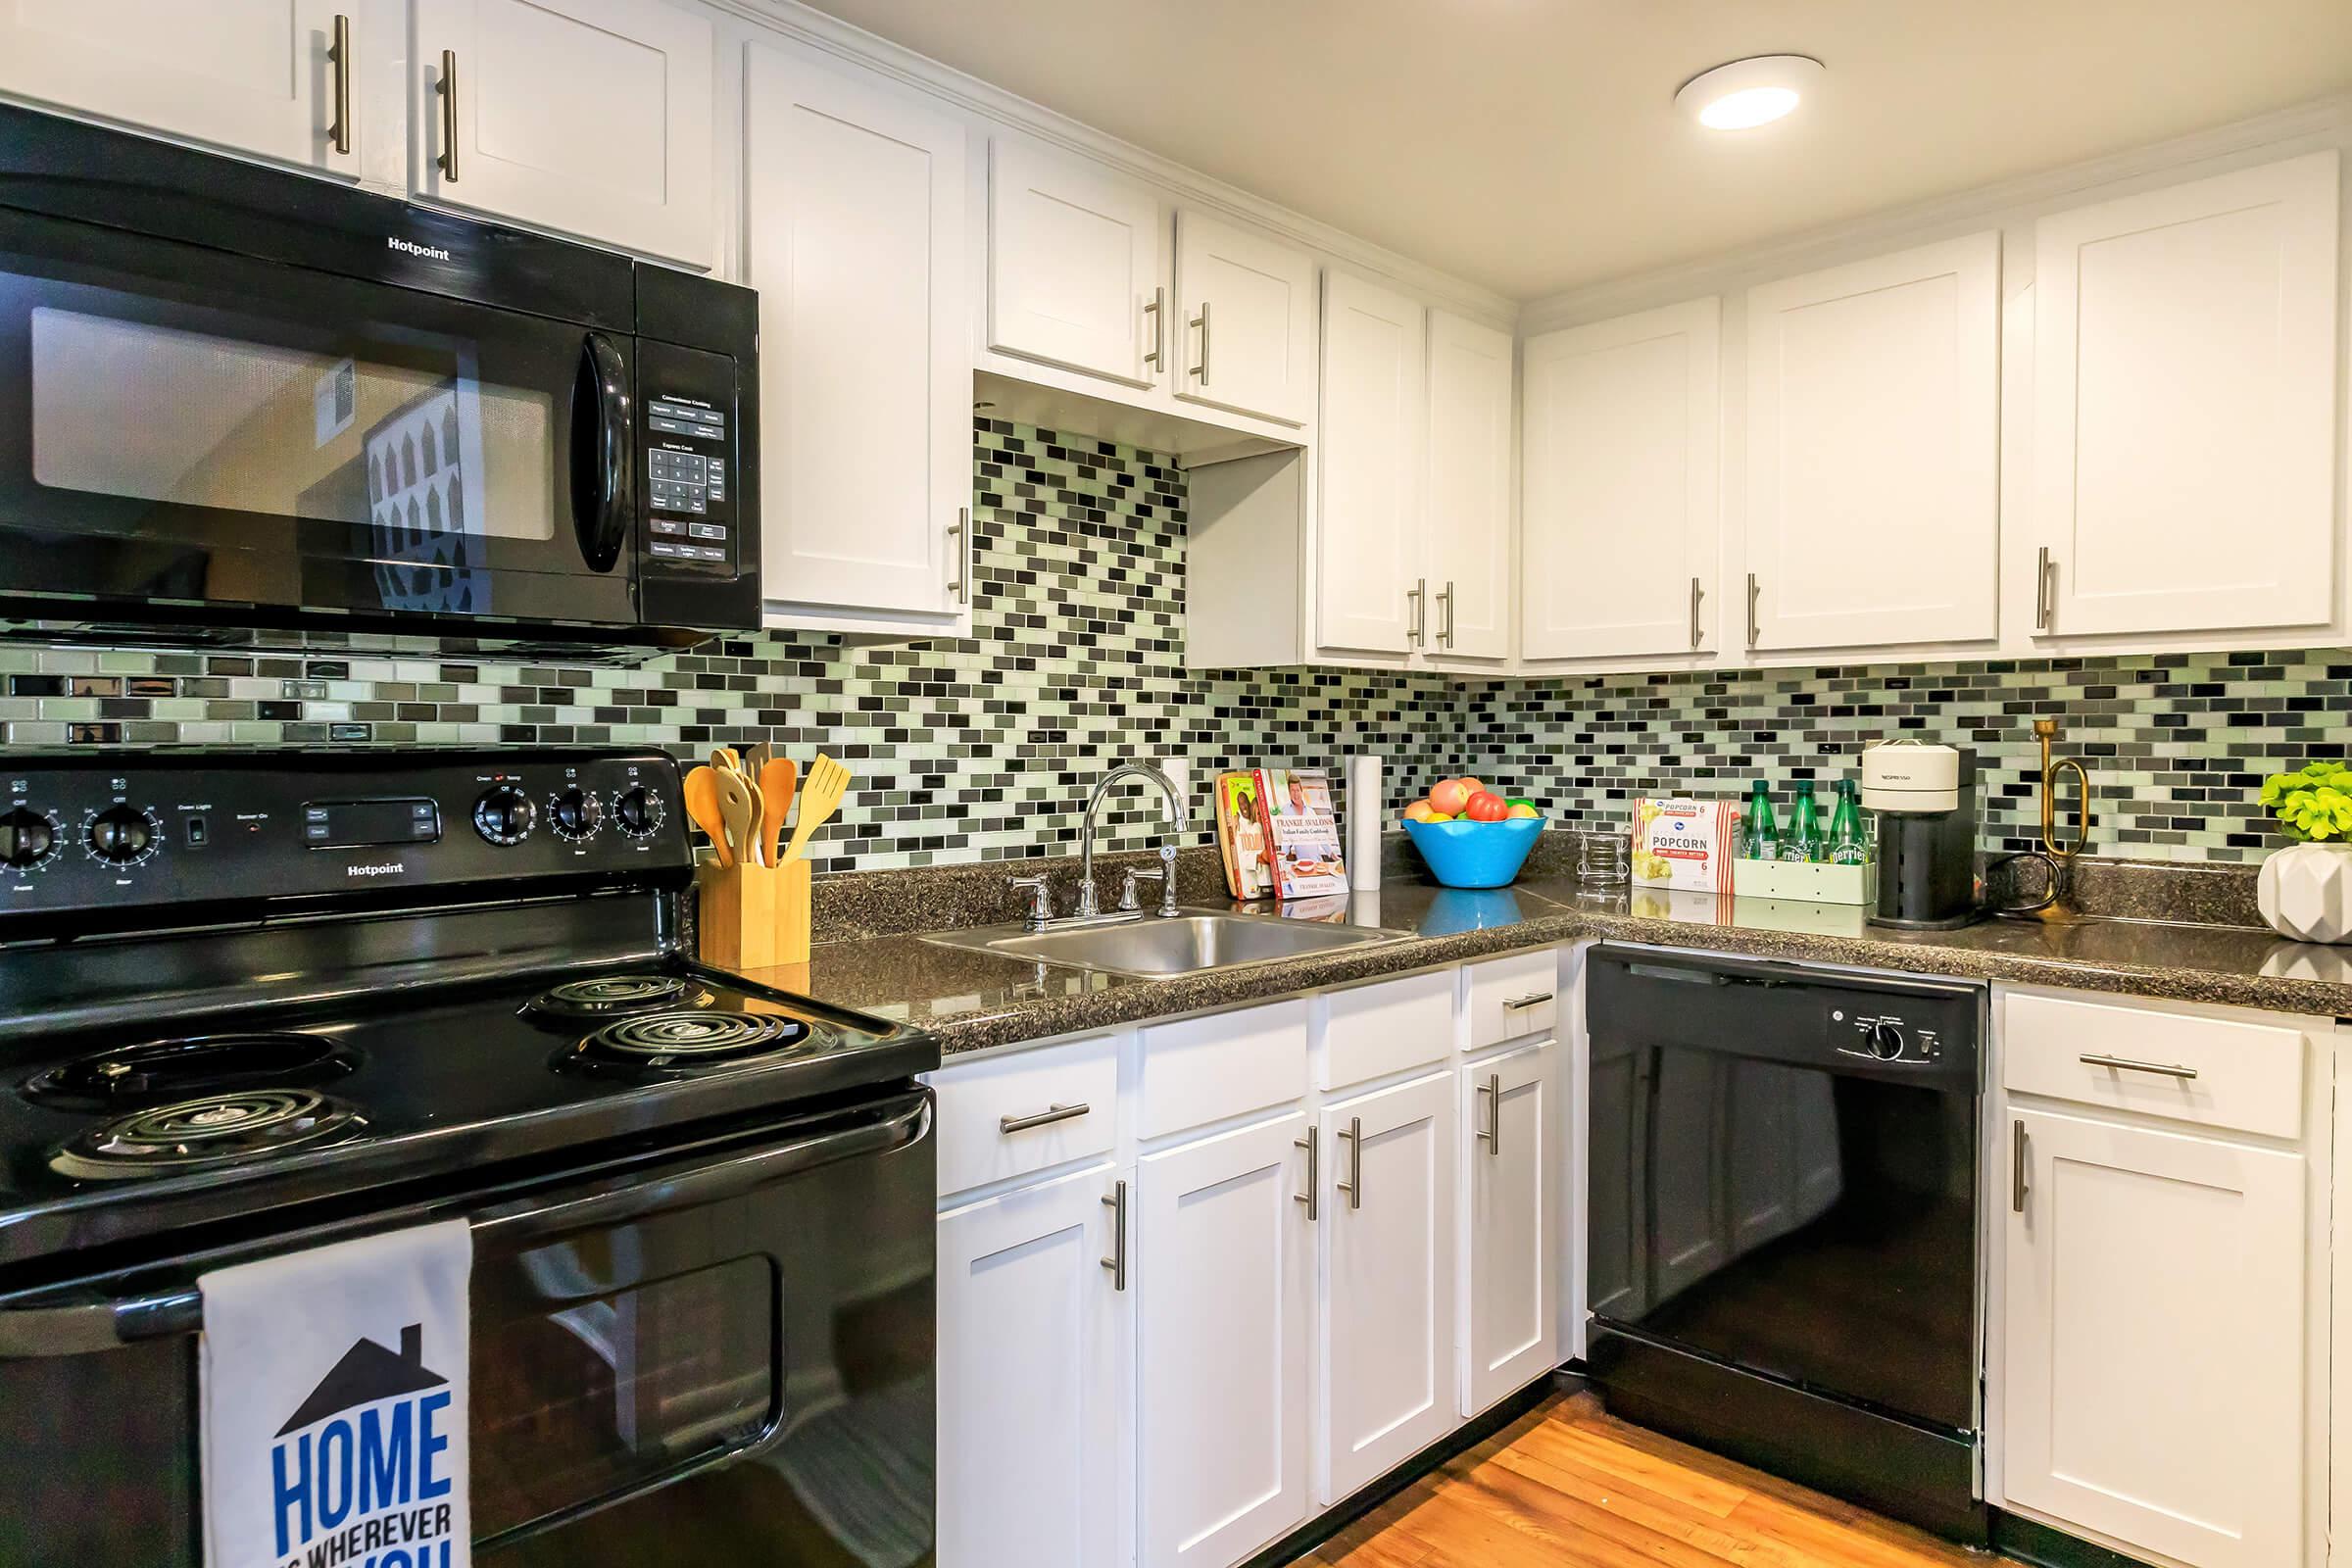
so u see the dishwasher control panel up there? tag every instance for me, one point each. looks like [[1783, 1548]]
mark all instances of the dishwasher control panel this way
[[1886, 1032]]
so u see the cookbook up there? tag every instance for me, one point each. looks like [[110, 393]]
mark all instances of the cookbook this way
[[1242, 836], [1303, 832]]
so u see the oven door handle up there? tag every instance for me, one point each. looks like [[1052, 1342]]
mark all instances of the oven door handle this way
[[95, 1323], [603, 475]]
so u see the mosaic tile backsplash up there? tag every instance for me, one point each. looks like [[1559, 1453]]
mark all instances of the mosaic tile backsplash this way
[[985, 748]]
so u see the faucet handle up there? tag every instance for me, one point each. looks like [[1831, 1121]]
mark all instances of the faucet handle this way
[[1039, 889], [1130, 889]]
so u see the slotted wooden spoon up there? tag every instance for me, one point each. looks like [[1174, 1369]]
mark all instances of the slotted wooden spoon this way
[[820, 797]]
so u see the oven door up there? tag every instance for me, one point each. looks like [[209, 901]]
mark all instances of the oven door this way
[[192, 435], [723, 1356]]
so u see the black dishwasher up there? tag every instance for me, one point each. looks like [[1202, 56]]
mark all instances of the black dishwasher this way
[[1782, 1229]]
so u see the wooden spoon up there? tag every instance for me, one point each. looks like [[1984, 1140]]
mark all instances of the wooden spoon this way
[[739, 810], [777, 778], [702, 803]]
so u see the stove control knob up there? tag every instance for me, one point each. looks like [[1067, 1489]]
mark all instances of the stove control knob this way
[[1886, 1040], [26, 839], [637, 810], [122, 834], [574, 813], [504, 814]]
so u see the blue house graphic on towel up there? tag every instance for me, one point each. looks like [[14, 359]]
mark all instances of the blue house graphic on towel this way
[[359, 1472]]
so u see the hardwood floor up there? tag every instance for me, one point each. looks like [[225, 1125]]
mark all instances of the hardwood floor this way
[[1567, 1487]]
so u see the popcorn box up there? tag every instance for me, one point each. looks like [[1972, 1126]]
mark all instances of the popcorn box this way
[[1686, 844]]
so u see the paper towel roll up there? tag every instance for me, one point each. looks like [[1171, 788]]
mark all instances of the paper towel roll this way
[[1366, 813]]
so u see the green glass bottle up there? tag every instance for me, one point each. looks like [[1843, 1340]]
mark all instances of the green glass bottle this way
[[1849, 845], [1760, 833], [1803, 840]]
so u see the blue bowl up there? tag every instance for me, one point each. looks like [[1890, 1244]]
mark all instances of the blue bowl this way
[[1476, 855]]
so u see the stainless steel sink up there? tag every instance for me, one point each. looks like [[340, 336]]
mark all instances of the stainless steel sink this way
[[1157, 948]]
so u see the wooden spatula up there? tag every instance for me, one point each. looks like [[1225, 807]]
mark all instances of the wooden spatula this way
[[820, 797], [739, 810], [778, 777], [702, 803]]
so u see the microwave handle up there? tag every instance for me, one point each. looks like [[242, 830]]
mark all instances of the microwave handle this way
[[90, 1324], [604, 478]]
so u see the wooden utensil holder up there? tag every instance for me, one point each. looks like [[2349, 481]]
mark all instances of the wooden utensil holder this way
[[752, 917]]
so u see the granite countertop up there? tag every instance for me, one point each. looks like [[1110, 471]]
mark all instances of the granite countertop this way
[[976, 1001]]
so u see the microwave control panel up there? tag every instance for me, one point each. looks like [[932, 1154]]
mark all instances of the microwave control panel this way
[[687, 451]]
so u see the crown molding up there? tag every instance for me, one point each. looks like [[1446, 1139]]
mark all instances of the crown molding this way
[[2319, 122], [994, 104]]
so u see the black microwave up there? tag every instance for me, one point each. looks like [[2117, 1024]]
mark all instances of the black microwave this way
[[236, 400]]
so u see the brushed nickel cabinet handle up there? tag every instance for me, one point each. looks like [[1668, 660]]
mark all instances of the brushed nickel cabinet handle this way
[[1116, 1262], [447, 87], [1492, 1133], [2017, 1167], [1042, 1118], [2162, 1069], [1156, 308], [1200, 370], [960, 545], [339, 52], [2042, 590], [1418, 597], [1445, 620], [1309, 1143], [1353, 1187], [1696, 594], [1752, 590], [1534, 999]]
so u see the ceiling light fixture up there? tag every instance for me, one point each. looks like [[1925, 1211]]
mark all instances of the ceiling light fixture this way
[[1748, 93]]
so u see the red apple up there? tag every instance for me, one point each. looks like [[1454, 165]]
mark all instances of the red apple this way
[[1449, 796], [1488, 807]]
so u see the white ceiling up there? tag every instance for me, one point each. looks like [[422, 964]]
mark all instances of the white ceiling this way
[[1532, 145]]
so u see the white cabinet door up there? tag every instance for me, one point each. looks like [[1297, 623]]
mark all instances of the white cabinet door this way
[[1247, 312], [1874, 451], [2154, 1365], [1469, 506], [1225, 1265], [1036, 1351], [1370, 585], [1390, 1360], [1620, 524], [252, 74], [2185, 405], [1510, 1243], [592, 117], [1074, 267], [855, 242]]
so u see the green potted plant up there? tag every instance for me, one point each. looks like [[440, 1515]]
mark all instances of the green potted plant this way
[[2305, 888]]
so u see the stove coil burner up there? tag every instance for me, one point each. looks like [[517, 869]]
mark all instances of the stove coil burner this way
[[160, 1071], [611, 994], [683, 1040], [196, 1134]]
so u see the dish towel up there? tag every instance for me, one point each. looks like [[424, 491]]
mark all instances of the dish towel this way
[[333, 1389]]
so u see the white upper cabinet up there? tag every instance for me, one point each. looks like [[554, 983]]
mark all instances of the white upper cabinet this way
[[257, 76], [854, 239], [1247, 312], [1370, 587], [1874, 452], [591, 117], [1620, 523], [2186, 413], [1074, 266], [1468, 515]]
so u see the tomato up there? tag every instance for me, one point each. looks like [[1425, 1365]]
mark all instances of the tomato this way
[[1488, 807]]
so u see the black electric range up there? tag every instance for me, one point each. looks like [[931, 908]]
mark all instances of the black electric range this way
[[257, 1002]]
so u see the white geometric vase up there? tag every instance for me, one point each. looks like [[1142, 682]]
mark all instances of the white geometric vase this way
[[2305, 892]]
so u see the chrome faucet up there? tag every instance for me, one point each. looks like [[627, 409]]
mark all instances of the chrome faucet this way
[[1090, 903]]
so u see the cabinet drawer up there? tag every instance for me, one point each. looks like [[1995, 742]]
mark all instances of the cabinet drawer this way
[[1207, 1069], [1385, 1028], [1007, 1115], [2216, 1072], [1513, 997]]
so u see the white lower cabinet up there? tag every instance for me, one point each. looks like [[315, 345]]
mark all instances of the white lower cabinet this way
[[2155, 1374], [1225, 1271], [1036, 1356], [1510, 1162], [1389, 1283]]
